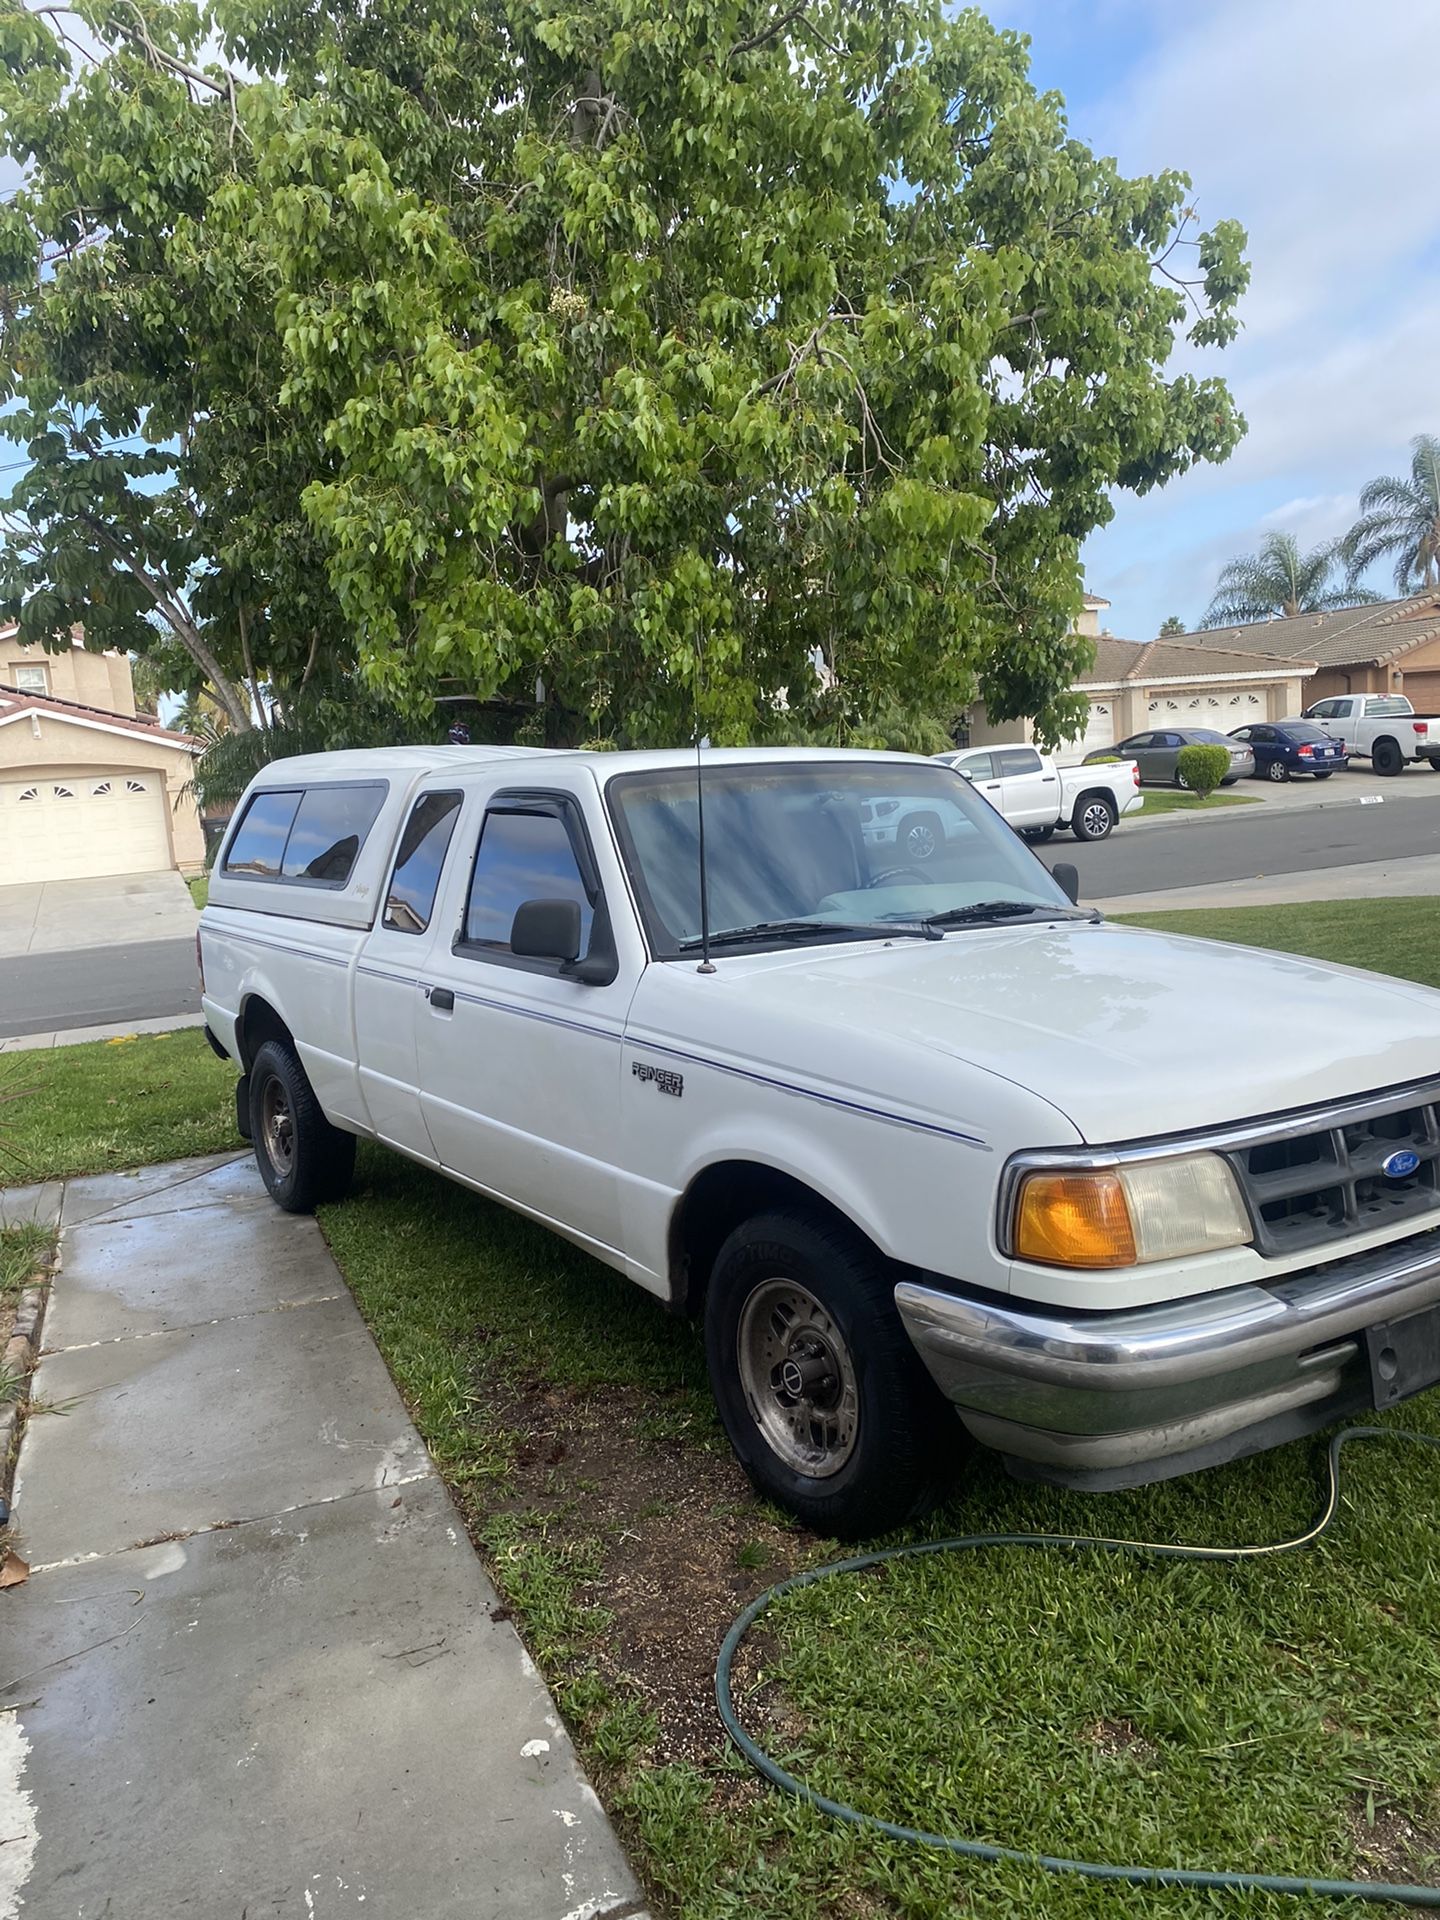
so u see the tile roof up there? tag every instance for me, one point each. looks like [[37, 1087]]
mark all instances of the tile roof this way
[[1354, 637], [1117, 661], [13, 702]]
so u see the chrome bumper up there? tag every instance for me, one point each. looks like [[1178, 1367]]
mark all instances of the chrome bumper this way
[[1114, 1399]]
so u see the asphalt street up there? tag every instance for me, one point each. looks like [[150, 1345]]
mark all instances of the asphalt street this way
[[1242, 843], [97, 986]]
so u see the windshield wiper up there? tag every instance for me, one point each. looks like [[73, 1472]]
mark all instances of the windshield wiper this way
[[983, 910], [808, 929]]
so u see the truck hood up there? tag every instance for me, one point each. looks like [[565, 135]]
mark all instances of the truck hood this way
[[1127, 1032]]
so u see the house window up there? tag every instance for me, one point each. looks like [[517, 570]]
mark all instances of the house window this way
[[136, 786], [31, 793], [63, 793], [32, 679], [100, 788]]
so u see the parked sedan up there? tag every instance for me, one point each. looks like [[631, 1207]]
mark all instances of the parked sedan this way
[[1156, 754], [1287, 747]]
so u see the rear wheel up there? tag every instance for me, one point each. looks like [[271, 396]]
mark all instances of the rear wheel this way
[[303, 1160], [1041, 834], [827, 1405], [1387, 758], [1094, 817], [1326, 774]]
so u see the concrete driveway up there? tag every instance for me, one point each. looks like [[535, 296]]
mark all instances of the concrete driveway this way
[[60, 916]]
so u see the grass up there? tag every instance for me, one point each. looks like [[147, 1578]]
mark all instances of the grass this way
[[1388, 936], [1276, 1714], [25, 1246], [1158, 800], [113, 1103], [199, 885]]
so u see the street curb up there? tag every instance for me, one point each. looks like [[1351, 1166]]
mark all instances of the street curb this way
[[1262, 811], [21, 1356], [80, 1036]]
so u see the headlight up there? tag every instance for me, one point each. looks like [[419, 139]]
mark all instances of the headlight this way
[[1125, 1216]]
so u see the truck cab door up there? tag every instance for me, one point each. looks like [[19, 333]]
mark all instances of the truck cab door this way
[[388, 972], [518, 1058], [1031, 792]]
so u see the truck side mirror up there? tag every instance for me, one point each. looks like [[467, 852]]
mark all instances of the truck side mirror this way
[[1067, 878], [546, 930]]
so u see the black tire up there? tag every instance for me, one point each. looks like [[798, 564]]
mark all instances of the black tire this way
[[919, 837], [896, 1438], [1326, 775], [320, 1159], [1094, 817], [1435, 764], [1181, 781], [1039, 834], [1277, 771], [1387, 758]]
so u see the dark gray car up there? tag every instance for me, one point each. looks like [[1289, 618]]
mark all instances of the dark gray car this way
[[1156, 754]]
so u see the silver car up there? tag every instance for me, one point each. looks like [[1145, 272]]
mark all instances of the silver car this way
[[1156, 754]]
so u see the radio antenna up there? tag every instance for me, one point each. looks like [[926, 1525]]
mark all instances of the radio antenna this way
[[706, 964]]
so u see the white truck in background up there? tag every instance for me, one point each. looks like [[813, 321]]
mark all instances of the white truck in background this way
[[1028, 790], [1381, 727]]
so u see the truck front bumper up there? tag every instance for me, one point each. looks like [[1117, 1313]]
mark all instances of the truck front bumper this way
[[1117, 1399]]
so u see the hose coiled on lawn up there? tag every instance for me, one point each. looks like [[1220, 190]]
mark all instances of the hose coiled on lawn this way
[[1135, 1876]]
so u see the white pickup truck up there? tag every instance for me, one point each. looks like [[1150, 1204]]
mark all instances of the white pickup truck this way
[[903, 1134], [1381, 727], [1027, 788]]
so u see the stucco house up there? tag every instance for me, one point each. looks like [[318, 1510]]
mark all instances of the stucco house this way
[[1392, 647], [88, 787], [1198, 681]]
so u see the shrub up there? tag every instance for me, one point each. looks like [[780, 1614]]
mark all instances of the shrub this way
[[1201, 768]]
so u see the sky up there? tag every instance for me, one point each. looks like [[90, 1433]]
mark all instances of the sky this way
[[1312, 123]]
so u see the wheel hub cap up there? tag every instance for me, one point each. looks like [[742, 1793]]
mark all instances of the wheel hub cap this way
[[798, 1378], [278, 1127]]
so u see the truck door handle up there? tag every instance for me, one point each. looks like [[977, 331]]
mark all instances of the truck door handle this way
[[441, 998]]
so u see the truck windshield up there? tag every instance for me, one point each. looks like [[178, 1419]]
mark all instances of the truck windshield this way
[[846, 842]]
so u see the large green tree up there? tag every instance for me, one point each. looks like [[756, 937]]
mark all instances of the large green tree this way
[[750, 366], [1400, 520], [1280, 581]]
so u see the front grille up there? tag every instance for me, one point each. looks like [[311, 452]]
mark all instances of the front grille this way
[[1309, 1186]]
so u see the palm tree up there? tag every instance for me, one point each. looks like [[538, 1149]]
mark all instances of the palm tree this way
[[1280, 581], [1171, 625], [1401, 517]]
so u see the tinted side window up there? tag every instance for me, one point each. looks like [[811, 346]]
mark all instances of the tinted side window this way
[[1325, 709], [423, 846], [1135, 742], [1263, 734], [1019, 760], [522, 856], [329, 831], [259, 843]]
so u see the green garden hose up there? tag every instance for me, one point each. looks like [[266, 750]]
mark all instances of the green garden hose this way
[[1413, 1896]]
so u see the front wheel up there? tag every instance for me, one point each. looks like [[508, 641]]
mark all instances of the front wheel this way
[[1094, 817], [303, 1160], [1277, 771], [827, 1405], [920, 837]]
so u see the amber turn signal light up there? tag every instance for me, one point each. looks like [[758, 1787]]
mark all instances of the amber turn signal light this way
[[1075, 1220]]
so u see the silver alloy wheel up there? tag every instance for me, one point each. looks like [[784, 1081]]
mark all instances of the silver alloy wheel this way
[[798, 1378], [277, 1127], [920, 841], [1096, 820]]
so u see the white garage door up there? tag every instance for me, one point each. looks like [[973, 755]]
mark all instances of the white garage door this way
[[1099, 732], [72, 828]]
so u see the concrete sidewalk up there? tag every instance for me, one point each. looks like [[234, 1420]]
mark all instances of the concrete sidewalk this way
[[1373, 880], [59, 916], [255, 1670]]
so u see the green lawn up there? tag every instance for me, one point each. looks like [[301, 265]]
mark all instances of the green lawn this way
[[1163, 800], [1278, 1715], [1388, 936]]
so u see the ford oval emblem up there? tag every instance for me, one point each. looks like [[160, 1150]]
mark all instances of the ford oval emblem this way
[[1397, 1165]]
